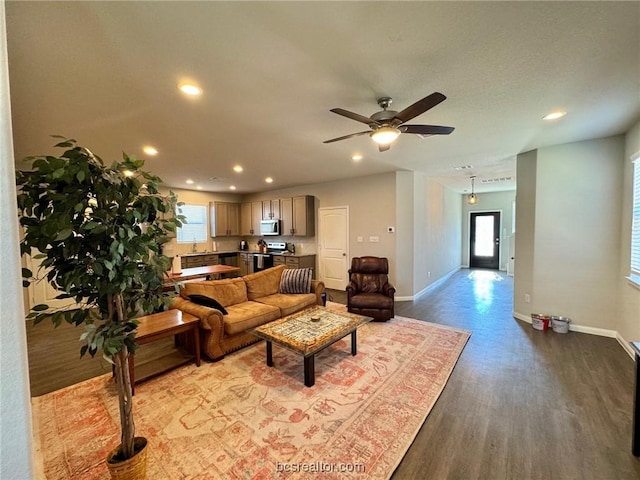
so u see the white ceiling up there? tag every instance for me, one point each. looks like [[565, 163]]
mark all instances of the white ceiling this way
[[106, 74]]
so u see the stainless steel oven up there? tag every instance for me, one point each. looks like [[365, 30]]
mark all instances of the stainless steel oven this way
[[262, 261]]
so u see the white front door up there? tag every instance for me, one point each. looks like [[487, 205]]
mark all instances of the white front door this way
[[333, 246]]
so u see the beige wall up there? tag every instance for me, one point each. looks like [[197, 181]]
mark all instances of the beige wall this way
[[372, 208], [490, 202], [437, 225], [572, 207], [526, 169], [426, 217], [629, 299], [16, 459]]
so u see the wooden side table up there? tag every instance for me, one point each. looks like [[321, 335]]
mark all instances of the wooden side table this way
[[161, 325], [635, 441]]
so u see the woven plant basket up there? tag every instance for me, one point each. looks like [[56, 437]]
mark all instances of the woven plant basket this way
[[134, 468]]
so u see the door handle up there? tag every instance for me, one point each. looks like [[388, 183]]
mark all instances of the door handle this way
[[344, 254]]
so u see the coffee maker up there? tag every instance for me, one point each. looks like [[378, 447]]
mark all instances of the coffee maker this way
[[243, 245]]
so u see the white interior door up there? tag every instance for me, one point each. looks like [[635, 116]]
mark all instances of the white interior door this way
[[333, 246], [42, 291]]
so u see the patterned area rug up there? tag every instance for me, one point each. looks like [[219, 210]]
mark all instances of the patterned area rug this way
[[239, 419]]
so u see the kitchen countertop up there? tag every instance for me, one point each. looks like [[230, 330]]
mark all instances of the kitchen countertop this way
[[251, 252]]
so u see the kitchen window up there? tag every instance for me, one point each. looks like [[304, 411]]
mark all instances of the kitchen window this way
[[194, 228]]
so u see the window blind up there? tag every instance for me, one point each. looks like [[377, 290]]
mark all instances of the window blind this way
[[635, 226], [194, 230]]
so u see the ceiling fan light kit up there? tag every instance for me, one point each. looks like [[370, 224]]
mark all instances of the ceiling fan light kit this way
[[385, 135], [387, 124]]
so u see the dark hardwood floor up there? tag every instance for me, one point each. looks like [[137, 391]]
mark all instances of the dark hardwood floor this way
[[520, 404]]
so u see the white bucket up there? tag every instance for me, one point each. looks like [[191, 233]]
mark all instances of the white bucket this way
[[539, 321], [560, 324]]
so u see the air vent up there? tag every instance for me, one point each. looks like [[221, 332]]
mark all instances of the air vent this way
[[497, 180]]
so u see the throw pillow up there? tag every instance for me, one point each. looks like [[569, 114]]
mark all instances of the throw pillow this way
[[296, 280], [208, 302]]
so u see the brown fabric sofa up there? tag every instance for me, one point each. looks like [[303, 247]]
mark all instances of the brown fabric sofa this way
[[250, 301]]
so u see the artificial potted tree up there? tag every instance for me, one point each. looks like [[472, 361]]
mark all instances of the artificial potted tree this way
[[98, 231]]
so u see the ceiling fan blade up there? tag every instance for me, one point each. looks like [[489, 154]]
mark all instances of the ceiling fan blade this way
[[426, 129], [420, 107], [354, 116], [346, 136], [384, 148]]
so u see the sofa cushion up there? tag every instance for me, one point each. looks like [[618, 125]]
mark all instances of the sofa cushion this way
[[289, 303], [263, 283], [229, 291], [246, 315], [296, 280], [207, 302]]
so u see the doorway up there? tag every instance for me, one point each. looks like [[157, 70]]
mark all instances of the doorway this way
[[484, 240], [334, 246]]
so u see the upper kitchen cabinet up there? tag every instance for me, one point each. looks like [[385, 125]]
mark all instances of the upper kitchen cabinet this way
[[270, 209], [298, 216], [250, 217], [225, 219]]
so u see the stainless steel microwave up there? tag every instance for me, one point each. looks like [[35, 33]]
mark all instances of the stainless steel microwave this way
[[270, 227]]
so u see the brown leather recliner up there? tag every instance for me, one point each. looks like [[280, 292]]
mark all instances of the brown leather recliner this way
[[369, 291]]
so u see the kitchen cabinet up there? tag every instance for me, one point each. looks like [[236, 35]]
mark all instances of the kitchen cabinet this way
[[250, 217], [225, 219], [298, 216], [203, 260], [246, 263], [271, 209], [296, 261]]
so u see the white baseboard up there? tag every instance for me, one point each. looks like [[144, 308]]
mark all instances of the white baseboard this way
[[428, 288], [602, 332], [626, 346]]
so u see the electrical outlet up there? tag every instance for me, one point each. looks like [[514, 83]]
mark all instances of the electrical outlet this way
[[359, 239], [527, 298], [373, 239]]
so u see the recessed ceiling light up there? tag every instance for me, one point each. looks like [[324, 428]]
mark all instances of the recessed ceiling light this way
[[190, 89], [189, 181], [554, 115], [232, 187], [268, 180], [149, 150], [237, 168], [356, 157]]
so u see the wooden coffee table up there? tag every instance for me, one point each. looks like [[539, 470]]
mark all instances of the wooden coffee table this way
[[300, 334], [161, 325]]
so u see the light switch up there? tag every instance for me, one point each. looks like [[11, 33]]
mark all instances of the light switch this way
[[359, 239]]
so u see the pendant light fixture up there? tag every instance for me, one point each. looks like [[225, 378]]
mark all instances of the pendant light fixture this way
[[472, 198]]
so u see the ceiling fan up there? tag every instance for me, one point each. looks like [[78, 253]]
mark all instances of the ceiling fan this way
[[386, 125]]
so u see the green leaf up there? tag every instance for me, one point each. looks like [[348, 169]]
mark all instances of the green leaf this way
[[40, 307], [26, 273], [63, 235], [80, 175]]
